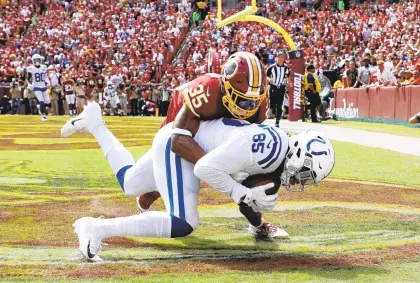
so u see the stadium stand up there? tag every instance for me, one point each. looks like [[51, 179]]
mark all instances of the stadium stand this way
[[152, 42]]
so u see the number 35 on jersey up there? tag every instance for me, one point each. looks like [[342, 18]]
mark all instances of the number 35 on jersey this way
[[196, 95]]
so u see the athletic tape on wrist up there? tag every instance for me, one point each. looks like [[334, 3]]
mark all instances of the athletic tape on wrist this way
[[182, 132]]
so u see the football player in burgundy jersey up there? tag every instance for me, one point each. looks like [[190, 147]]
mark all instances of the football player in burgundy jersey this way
[[240, 92]]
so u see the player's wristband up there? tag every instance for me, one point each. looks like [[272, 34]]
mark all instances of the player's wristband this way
[[182, 132]]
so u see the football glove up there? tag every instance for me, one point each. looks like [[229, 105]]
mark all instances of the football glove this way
[[259, 200], [30, 87], [240, 176]]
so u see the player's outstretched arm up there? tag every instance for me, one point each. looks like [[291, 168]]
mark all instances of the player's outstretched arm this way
[[185, 126]]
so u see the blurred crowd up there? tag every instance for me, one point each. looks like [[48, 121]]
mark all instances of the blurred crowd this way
[[161, 44], [135, 39], [126, 42]]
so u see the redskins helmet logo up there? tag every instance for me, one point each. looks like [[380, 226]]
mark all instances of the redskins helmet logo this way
[[230, 68]]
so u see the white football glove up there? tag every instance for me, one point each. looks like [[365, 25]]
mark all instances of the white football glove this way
[[30, 87], [240, 176], [259, 200]]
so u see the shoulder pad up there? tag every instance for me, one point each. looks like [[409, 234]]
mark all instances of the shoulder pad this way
[[202, 96]]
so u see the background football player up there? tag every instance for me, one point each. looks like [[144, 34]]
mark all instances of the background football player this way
[[111, 100], [37, 80], [100, 83], [69, 92], [234, 148]]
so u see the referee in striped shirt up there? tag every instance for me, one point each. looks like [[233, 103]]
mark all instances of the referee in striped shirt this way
[[278, 76]]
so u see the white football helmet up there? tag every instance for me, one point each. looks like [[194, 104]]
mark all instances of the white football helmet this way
[[110, 85], [310, 159], [37, 60]]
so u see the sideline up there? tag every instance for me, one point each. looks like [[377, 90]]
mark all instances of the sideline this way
[[402, 144]]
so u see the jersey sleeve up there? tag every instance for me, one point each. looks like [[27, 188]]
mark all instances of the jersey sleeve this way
[[202, 96], [229, 158]]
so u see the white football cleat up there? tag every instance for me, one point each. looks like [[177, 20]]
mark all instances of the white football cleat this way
[[268, 231], [89, 119], [89, 241], [44, 118]]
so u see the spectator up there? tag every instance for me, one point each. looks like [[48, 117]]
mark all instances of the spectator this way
[[339, 83], [352, 75], [416, 77], [384, 76], [363, 78], [196, 17], [133, 96], [16, 93], [164, 100]]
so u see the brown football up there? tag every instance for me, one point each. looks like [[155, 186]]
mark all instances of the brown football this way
[[262, 179]]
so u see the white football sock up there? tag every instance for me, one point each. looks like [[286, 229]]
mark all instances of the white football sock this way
[[116, 154], [152, 224]]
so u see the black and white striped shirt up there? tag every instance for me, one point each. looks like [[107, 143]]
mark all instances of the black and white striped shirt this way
[[279, 74]]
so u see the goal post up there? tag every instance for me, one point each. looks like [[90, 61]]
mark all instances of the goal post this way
[[296, 57]]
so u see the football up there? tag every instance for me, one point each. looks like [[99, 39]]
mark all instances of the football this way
[[262, 179]]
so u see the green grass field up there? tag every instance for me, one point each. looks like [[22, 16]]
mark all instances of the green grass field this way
[[361, 225], [407, 129]]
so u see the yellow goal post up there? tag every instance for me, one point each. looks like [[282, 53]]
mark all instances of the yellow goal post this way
[[296, 57], [247, 16]]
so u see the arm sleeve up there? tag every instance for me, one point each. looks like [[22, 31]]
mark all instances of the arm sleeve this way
[[216, 166]]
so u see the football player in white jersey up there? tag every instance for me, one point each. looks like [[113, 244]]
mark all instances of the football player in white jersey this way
[[38, 81], [235, 149], [112, 99]]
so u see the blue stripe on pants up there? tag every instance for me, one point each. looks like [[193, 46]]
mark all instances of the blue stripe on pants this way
[[169, 175], [180, 185], [121, 175]]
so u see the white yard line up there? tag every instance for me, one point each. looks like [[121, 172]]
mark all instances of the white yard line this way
[[407, 145]]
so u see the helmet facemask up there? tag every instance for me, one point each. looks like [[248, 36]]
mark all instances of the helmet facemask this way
[[310, 159], [244, 82], [241, 105], [37, 62], [297, 179]]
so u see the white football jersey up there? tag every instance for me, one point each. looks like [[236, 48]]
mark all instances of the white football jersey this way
[[110, 91], [38, 75], [255, 149]]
